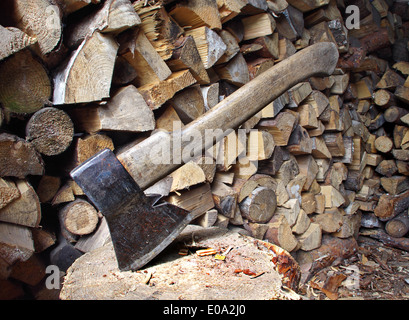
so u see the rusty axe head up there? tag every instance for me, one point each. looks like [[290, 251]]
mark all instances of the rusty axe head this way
[[139, 228]]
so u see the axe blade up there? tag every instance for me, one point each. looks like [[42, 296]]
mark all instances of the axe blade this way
[[139, 229]]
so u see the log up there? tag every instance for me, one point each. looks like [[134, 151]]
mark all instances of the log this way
[[142, 56], [159, 27], [279, 233], [167, 88], [80, 217], [383, 144], [209, 44], [189, 104], [25, 210], [260, 145], [16, 243], [197, 13], [390, 206], [395, 184], [399, 226], [290, 210], [114, 16], [125, 111], [186, 56], [13, 40], [379, 234], [332, 249], [50, 130], [311, 238], [280, 127], [40, 19], [235, 71], [197, 200], [19, 158], [8, 192], [86, 75], [259, 25], [260, 205], [26, 86], [89, 145]]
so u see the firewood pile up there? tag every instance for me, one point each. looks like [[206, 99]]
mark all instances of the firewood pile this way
[[321, 164]]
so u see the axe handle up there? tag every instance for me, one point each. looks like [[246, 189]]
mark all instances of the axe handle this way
[[145, 162]]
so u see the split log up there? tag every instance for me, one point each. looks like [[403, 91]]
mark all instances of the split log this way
[[8, 192], [114, 16], [259, 25], [40, 19], [79, 217], [19, 158], [209, 44], [311, 238], [125, 111], [197, 13], [186, 56], [395, 185], [302, 223], [235, 71], [13, 40], [390, 206], [86, 75], [142, 56], [90, 145], [279, 233], [188, 175], [402, 93], [189, 104], [16, 243], [280, 127], [290, 210], [48, 188], [260, 205], [225, 199], [159, 27], [156, 94], [50, 130], [26, 86], [25, 210], [197, 200], [330, 220], [260, 145]]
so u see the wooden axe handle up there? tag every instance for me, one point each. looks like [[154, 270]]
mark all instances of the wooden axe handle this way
[[149, 161]]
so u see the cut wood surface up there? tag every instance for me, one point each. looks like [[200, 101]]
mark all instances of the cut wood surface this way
[[304, 157], [19, 158], [86, 75], [80, 217], [26, 86], [50, 130], [223, 276]]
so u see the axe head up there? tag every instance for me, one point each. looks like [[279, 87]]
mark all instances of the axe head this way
[[139, 229]]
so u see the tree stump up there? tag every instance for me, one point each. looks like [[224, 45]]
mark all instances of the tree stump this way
[[248, 271]]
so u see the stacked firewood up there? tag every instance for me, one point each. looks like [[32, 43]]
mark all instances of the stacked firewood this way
[[79, 76]]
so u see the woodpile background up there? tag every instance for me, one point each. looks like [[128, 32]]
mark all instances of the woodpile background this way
[[328, 159]]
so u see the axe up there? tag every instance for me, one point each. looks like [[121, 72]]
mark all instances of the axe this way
[[140, 227]]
